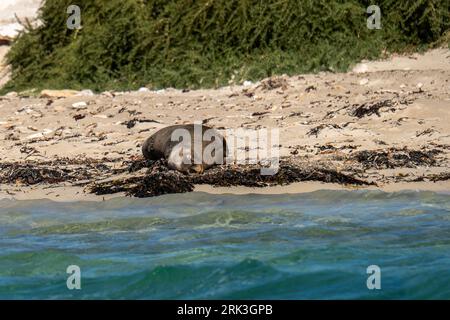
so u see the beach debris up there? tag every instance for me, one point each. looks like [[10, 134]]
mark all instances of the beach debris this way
[[53, 172], [79, 105], [370, 108], [131, 123], [159, 179], [363, 81], [100, 116], [147, 186], [259, 113], [29, 151], [274, 83], [310, 88], [12, 136], [248, 92], [395, 158], [316, 130], [329, 147], [250, 175], [39, 134], [58, 93], [427, 132], [107, 94], [30, 175], [79, 116], [25, 109], [442, 176]]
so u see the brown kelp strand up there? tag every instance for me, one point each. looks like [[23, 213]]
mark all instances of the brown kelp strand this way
[[160, 180]]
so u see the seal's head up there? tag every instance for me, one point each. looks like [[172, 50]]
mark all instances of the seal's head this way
[[180, 159]]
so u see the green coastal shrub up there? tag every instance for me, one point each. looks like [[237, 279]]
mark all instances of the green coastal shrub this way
[[126, 44]]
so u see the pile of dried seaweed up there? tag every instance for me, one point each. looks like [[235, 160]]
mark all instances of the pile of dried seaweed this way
[[395, 158], [29, 174], [160, 180], [145, 186], [157, 181], [251, 176], [56, 171], [443, 176]]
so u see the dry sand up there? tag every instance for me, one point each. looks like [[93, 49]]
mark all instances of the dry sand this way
[[314, 113]]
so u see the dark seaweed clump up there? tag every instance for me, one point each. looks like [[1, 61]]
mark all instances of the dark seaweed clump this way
[[443, 176], [376, 107], [28, 174], [395, 158], [251, 176], [370, 108], [146, 186], [52, 172], [160, 180]]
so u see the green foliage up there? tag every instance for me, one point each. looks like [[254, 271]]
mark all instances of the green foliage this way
[[125, 44]]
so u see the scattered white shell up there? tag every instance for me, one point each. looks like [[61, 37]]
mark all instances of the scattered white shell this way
[[79, 105], [40, 134], [34, 136], [364, 81]]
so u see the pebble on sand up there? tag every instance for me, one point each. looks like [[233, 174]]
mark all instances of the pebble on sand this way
[[79, 105], [364, 81]]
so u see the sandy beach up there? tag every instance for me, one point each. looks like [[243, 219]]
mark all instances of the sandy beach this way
[[384, 123]]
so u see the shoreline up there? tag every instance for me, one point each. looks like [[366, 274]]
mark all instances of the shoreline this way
[[73, 194]]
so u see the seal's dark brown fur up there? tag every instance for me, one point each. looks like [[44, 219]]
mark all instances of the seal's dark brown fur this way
[[160, 145]]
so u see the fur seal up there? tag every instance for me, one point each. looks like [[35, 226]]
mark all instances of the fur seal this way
[[186, 147]]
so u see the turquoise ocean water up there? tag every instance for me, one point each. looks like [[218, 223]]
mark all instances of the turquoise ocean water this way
[[197, 246]]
